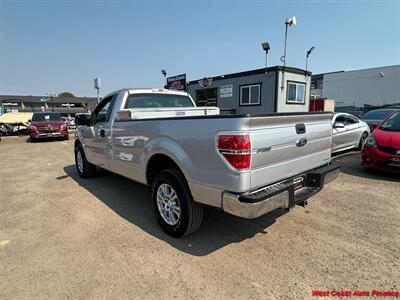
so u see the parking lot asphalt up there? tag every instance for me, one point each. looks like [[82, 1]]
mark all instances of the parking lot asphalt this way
[[65, 237]]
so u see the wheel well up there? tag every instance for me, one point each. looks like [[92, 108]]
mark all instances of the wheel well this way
[[362, 135], [77, 142], [157, 163]]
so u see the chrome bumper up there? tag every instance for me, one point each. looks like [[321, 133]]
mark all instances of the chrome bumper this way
[[279, 195], [231, 204]]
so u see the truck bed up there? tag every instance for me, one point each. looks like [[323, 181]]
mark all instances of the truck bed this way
[[275, 155]]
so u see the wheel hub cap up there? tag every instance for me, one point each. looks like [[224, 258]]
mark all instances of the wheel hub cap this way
[[168, 204], [79, 161]]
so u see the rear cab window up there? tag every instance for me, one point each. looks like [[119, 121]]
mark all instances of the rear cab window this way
[[153, 100]]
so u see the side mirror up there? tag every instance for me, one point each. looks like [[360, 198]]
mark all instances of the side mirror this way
[[82, 120], [338, 125]]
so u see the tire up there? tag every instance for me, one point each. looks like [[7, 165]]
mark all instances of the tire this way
[[362, 140], [66, 138], [190, 213], [85, 168], [32, 140]]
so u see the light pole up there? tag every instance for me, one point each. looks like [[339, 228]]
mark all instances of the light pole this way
[[289, 22], [266, 48], [97, 86], [165, 76], [308, 54], [51, 95]]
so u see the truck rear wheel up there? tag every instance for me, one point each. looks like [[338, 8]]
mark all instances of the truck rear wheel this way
[[85, 168], [176, 212]]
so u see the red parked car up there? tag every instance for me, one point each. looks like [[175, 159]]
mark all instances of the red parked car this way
[[47, 125], [382, 149]]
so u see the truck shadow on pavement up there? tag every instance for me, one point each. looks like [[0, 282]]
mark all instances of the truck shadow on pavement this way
[[132, 201], [351, 165]]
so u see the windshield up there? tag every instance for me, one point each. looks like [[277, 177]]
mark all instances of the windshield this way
[[392, 123], [46, 116], [157, 100], [377, 114]]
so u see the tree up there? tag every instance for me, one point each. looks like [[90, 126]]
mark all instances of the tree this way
[[66, 94]]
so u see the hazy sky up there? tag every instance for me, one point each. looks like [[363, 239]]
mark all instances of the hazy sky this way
[[54, 46]]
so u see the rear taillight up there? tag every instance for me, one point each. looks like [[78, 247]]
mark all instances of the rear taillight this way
[[236, 149]]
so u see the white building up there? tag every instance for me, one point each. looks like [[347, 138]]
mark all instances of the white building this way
[[375, 86]]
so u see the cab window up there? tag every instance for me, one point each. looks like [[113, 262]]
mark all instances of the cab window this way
[[103, 111]]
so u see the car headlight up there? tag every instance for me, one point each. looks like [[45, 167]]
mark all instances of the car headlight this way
[[63, 126], [33, 127], [371, 141]]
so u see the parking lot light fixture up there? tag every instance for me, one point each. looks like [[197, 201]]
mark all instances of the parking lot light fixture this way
[[266, 48], [308, 54], [289, 22]]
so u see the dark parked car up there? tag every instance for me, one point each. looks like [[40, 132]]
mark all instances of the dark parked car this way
[[382, 149], [374, 117], [47, 125]]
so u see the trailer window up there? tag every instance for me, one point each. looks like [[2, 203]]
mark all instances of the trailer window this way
[[296, 93], [250, 94], [157, 100]]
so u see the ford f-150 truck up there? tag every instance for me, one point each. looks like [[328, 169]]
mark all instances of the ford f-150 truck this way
[[246, 165]]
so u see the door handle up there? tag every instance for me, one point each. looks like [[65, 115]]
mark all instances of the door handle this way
[[102, 133], [300, 128]]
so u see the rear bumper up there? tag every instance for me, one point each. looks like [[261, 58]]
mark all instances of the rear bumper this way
[[279, 195]]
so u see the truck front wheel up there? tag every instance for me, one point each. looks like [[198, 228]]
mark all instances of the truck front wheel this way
[[176, 212], [85, 168]]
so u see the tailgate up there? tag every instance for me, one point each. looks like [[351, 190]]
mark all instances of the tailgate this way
[[286, 145]]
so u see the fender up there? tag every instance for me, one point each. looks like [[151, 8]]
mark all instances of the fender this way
[[168, 147]]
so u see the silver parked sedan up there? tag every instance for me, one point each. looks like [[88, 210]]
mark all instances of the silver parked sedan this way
[[348, 132]]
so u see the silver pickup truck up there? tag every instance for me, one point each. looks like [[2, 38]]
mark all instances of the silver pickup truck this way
[[190, 156]]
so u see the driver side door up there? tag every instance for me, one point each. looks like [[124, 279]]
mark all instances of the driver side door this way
[[98, 142]]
